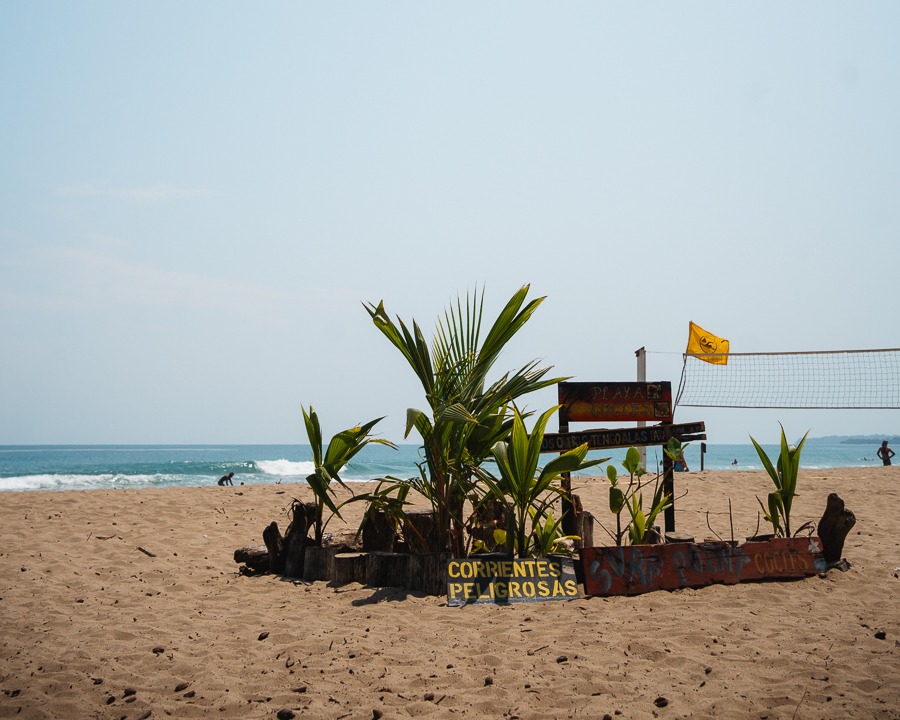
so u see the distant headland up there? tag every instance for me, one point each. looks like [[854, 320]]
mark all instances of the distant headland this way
[[856, 439]]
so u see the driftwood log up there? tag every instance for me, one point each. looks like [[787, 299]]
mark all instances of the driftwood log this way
[[836, 522], [255, 557]]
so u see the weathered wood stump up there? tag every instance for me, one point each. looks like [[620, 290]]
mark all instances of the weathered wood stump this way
[[427, 573], [294, 553], [576, 510], [586, 525], [275, 546], [378, 533], [255, 557], [295, 540], [420, 530], [836, 522], [349, 567], [674, 537], [318, 564], [386, 569]]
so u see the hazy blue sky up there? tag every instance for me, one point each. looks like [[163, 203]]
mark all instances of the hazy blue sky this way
[[196, 198]]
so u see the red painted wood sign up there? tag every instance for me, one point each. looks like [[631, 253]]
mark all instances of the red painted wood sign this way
[[635, 569], [615, 401]]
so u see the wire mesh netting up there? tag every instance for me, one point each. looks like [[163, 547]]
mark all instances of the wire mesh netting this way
[[839, 379]]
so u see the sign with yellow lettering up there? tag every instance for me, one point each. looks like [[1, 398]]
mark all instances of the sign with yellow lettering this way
[[615, 401], [505, 580]]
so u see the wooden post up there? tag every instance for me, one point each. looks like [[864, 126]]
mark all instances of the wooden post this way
[[569, 521], [420, 531], [378, 534], [272, 539], [349, 567], [294, 554], [669, 487], [318, 563], [428, 573], [641, 355], [587, 529], [386, 569], [294, 547], [578, 513]]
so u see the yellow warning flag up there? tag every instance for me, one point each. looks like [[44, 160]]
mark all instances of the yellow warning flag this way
[[706, 346]]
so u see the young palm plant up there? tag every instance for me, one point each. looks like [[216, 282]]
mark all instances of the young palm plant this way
[[526, 490], [467, 414], [328, 465], [784, 475]]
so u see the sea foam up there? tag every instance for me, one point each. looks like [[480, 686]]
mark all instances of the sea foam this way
[[286, 468]]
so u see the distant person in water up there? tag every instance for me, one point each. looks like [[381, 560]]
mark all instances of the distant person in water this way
[[885, 453], [226, 479], [734, 462]]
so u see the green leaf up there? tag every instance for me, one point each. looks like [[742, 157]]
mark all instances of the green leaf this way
[[775, 506], [767, 464], [638, 527], [616, 500], [612, 474], [413, 417], [457, 412], [571, 461], [313, 433], [673, 449], [632, 460]]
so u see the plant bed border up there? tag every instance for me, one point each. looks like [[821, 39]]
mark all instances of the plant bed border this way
[[636, 569]]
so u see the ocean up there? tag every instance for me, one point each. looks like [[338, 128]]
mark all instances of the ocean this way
[[91, 467]]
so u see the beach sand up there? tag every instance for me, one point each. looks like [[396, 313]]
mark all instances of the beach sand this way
[[95, 627]]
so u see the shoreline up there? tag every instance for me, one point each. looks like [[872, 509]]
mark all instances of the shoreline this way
[[88, 616], [353, 482]]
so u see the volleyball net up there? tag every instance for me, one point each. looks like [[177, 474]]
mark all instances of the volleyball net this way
[[838, 379]]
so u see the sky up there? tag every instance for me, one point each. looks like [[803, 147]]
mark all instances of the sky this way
[[196, 199]]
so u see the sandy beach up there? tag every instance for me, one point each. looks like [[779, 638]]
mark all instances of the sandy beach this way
[[128, 604]]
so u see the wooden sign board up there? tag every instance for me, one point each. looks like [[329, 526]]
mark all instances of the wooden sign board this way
[[635, 569], [603, 439], [615, 401], [504, 580]]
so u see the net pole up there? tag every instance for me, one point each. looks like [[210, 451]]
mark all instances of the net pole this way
[[641, 354]]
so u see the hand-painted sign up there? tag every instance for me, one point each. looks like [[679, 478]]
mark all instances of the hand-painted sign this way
[[503, 580], [623, 437], [615, 401], [635, 569]]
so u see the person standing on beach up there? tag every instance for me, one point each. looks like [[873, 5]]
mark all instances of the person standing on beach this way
[[885, 453]]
